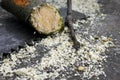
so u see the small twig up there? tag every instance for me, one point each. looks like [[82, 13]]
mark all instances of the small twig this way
[[69, 23]]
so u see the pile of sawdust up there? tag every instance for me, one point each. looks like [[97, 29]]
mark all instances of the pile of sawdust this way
[[60, 60]]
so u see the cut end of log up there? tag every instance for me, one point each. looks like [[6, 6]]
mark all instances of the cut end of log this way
[[46, 19]]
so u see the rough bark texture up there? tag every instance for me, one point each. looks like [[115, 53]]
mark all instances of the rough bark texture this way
[[24, 8], [20, 8]]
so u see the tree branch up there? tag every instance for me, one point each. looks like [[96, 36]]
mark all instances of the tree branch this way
[[69, 23]]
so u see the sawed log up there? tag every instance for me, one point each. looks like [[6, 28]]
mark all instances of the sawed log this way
[[44, 17]]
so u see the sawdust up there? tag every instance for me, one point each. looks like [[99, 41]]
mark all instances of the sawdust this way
[[60, 60]]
